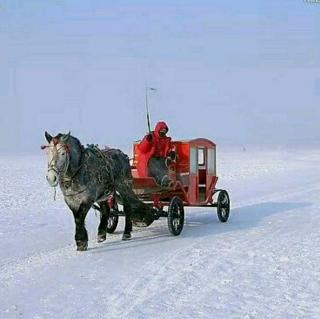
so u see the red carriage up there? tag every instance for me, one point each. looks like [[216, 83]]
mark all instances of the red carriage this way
[[194, 179]]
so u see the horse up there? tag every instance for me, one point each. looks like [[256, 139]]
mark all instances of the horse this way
[[89, 176]]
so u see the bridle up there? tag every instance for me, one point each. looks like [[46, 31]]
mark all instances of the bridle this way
[[63, 170]]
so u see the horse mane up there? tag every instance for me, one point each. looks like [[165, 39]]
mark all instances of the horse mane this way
[[77, 142]]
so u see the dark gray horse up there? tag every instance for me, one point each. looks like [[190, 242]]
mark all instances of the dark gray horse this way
[[90, 176]]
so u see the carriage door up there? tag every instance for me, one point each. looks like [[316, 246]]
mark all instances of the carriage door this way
[[198, 174], [202, 173]]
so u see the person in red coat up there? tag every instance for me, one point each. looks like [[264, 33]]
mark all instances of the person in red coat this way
[[154, 148]]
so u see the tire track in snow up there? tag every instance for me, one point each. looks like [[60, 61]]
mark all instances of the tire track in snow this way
[[150, 285], [30, 264]]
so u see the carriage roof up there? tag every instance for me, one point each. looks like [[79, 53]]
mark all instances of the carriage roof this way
[[198, 142]]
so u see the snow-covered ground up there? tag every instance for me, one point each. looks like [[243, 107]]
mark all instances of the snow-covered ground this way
[[263, 263]]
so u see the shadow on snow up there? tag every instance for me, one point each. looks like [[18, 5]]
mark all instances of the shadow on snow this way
[[203, 223]]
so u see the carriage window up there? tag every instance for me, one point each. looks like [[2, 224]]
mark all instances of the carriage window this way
[[212, 161], [193, 160], [201, 157]]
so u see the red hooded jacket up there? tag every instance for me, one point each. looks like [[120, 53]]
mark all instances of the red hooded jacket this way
[[158, 146]]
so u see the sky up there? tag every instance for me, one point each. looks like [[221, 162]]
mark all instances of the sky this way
[[238, 72]]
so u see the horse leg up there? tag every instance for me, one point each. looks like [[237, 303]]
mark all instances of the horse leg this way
[[128, 223], [81, 235], [104, 216]]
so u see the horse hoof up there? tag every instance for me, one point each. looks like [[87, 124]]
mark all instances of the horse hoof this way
[[82, 245], [126, 236], [101, 238]]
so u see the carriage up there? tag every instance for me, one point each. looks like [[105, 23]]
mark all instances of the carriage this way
[[193, 183]]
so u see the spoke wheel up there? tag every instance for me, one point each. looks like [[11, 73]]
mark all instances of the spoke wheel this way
[[223, 206], [175, 216]]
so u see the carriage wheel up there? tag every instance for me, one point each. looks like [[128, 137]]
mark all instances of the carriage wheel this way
[[223, 206], [175, 216], [113, 220]]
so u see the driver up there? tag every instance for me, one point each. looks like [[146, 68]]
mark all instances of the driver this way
[[154, 148]]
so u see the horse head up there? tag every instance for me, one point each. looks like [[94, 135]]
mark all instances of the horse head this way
[[58, 157]]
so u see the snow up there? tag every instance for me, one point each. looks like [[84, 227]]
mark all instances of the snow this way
[[263, 263]]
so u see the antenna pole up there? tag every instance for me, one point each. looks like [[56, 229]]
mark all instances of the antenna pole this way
[[147, 109]]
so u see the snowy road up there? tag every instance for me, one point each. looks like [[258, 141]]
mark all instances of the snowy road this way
[[264, 263]]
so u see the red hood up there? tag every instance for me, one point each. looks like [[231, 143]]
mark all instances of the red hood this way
[[160, 126]]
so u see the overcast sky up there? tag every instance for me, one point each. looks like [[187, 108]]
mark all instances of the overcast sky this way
[[238, 72]]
